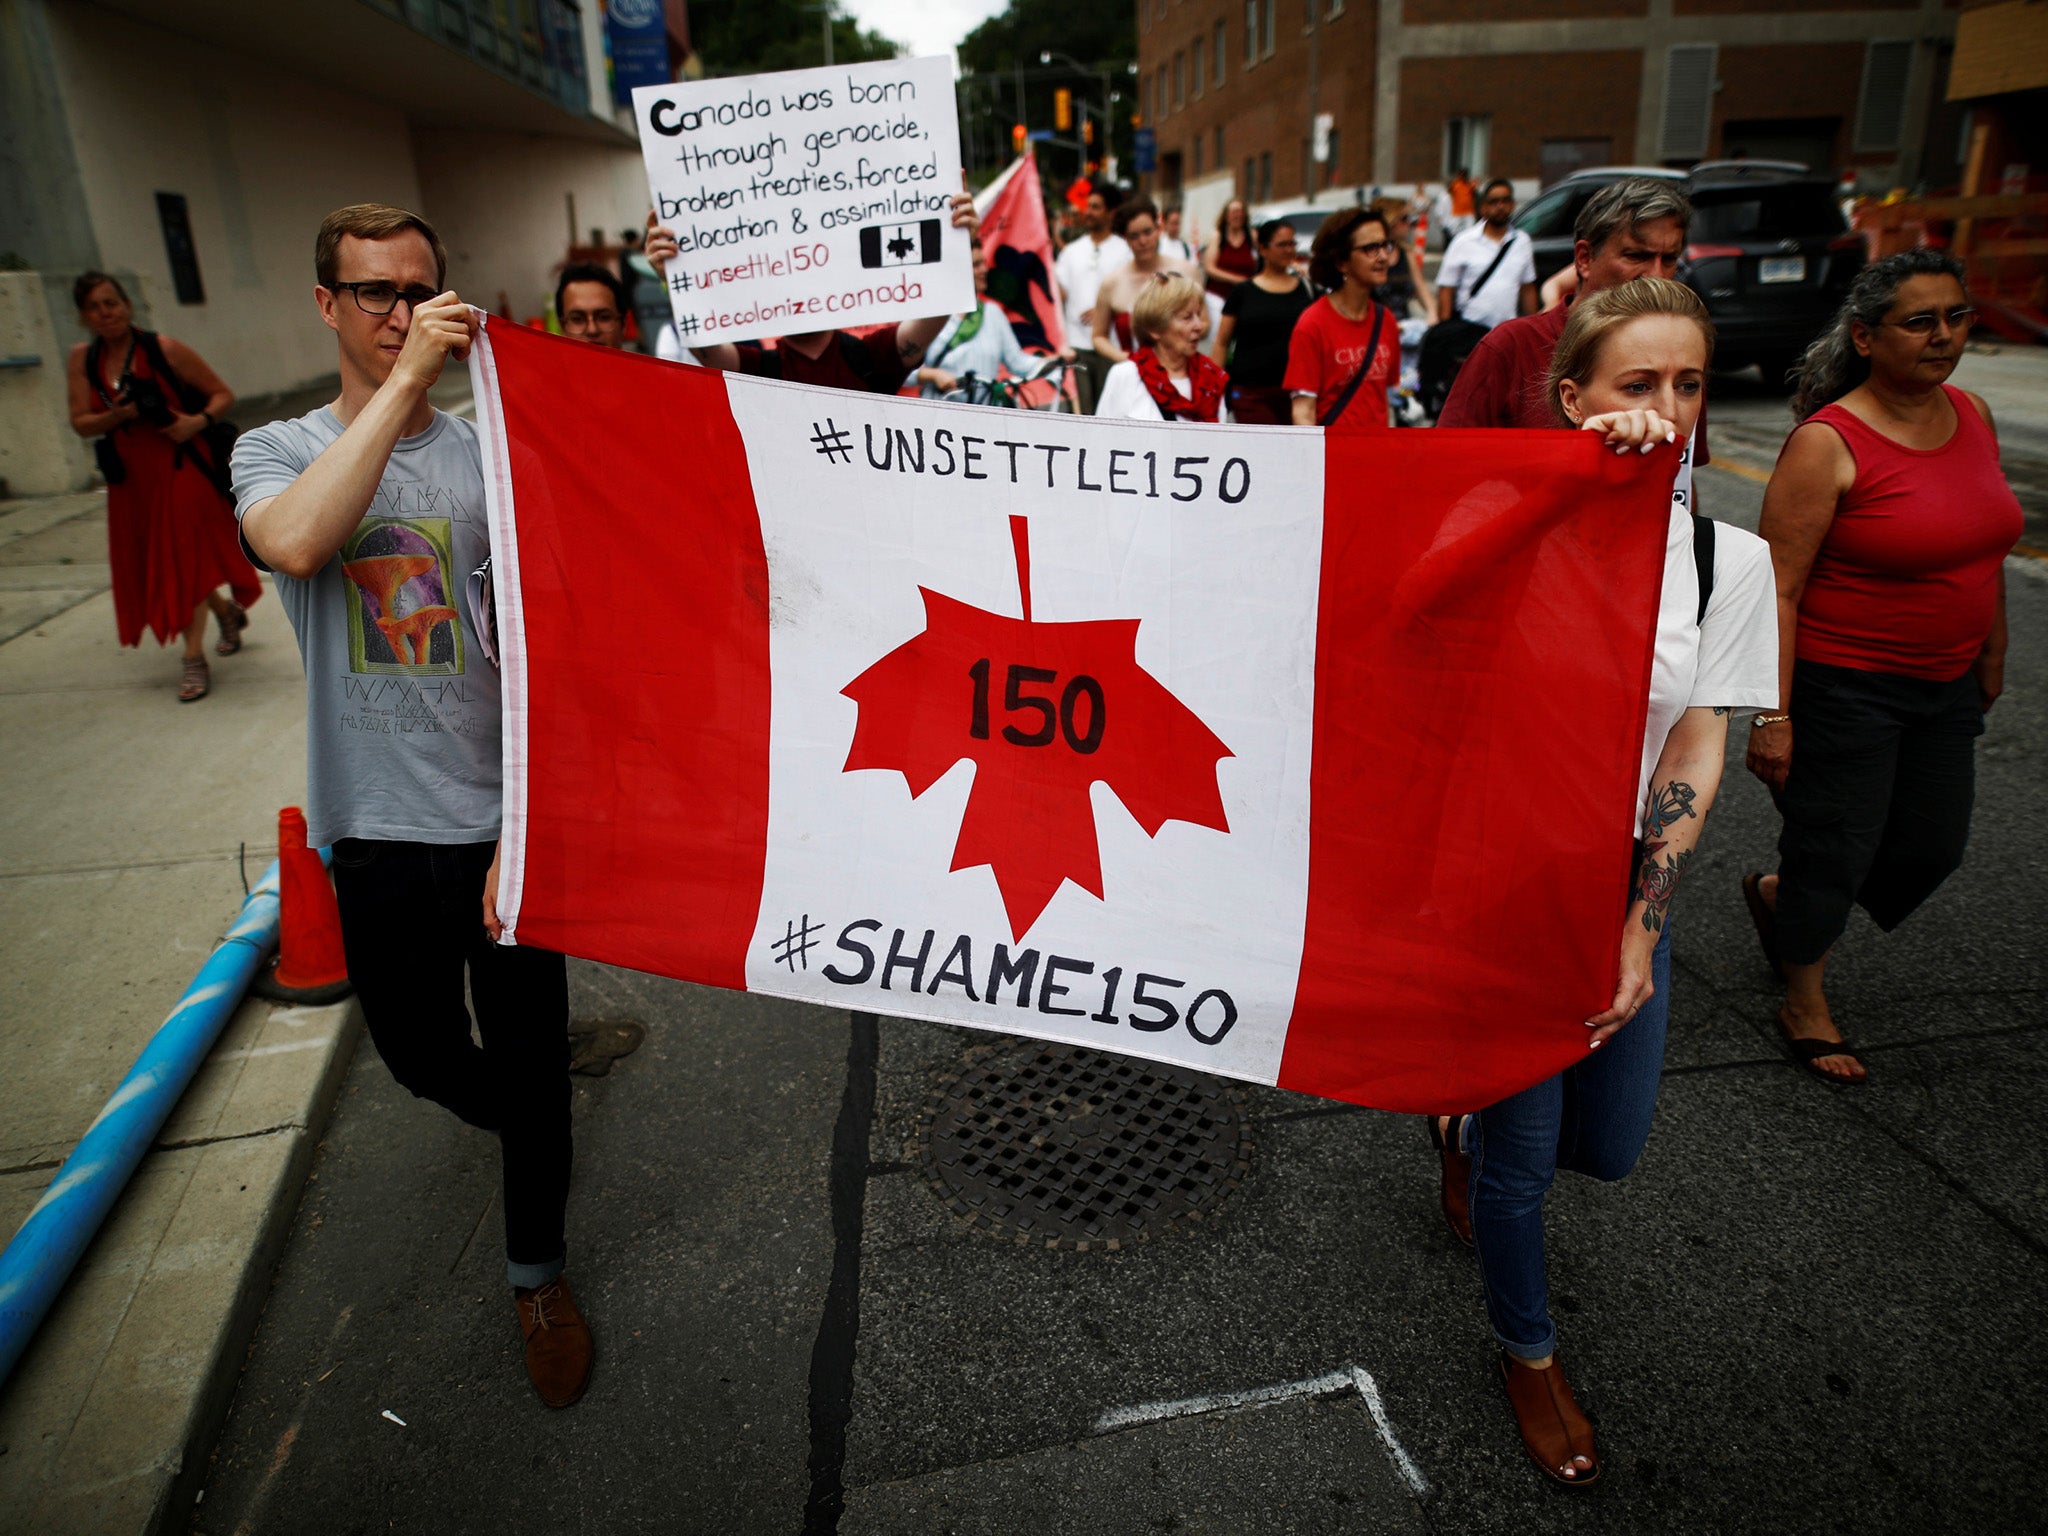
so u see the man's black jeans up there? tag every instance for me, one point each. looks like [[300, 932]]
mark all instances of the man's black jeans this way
[[412, 926]]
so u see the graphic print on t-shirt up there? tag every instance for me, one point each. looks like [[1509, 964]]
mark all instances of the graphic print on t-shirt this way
[[401, 617]]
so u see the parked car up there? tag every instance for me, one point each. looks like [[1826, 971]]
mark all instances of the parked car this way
[[1772, 257], [1769, 251]]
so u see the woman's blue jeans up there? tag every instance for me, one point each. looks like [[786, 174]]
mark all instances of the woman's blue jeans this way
[[1592, 1118]]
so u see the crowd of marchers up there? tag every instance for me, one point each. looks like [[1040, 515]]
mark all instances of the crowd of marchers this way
[[1863, 632]]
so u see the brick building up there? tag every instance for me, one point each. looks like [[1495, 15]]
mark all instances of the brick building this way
[[1408, 90]]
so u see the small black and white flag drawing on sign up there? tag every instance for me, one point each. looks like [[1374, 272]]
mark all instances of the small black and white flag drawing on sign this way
[[900, 245]]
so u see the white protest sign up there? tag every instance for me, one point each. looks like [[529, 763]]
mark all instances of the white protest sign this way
[[808, 200]]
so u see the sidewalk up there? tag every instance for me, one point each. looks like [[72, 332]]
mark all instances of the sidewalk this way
[[126, 820]]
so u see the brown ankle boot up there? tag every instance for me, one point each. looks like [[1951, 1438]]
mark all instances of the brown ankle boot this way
[[1455, 1192], [558, 1343], [1553, 1429]]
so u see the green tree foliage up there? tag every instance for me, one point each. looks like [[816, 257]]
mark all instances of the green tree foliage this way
[[1102, 38], [745, 37]]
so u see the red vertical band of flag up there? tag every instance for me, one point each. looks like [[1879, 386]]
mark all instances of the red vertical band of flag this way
[[644, 590], [1483, 656], [1018, 244]]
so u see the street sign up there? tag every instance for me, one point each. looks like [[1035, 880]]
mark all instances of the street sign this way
[[1145, 150], [1040, 135], [1325, 121]]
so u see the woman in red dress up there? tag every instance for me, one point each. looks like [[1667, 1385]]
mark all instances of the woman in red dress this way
[[171, 535]]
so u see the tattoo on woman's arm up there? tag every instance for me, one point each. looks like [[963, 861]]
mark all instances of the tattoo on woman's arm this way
[[1657, 883], [1668, 805]]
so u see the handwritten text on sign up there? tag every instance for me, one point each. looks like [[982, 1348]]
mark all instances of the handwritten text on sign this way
[[808, 200]]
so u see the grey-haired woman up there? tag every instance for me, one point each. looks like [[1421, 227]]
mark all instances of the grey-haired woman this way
[[1889, 523]]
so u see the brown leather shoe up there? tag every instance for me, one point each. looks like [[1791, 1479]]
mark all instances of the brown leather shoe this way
[[1553, 1429], [1455, 1193], [559, 1349]]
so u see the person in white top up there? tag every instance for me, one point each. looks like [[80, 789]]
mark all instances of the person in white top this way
[[1489, 271], [1631, 366], [1080, 269], [1170, 241], [1166, 375]]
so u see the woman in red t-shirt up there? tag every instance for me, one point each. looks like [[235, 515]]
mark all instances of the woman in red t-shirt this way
[[1334, 382], [1889, 523]]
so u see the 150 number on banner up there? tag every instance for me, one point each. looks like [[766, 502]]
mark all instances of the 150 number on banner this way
[[808, 200]]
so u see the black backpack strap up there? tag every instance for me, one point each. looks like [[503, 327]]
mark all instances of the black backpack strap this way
[[1372, 352], [1492, 267], [190, 399], [1703, 561], [95, 356]]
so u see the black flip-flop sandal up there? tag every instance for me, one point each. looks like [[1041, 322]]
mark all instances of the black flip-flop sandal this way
[[1809, 1052]]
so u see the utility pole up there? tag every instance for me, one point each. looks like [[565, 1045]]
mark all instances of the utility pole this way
[[1309, 161]]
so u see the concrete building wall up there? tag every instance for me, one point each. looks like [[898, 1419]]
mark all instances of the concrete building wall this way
[[1530, 97], [261, 157], [502, 203], [1423, 13], [1266, 107]]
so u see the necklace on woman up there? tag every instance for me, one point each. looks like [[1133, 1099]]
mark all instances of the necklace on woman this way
[[1337, 303]]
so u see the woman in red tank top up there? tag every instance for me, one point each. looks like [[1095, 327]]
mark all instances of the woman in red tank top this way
[[1889, 523]]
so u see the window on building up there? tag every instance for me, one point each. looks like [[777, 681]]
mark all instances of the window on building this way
[[1198, 154], [1266, 163], [1266, 42], [1336, 9], [1251, 32], [1180, 80], [1336, 151], [1688, 100], [1159, 93], [1195, 68], [1216, 53], [1250, 190], [1881, 105], [175, 220], [1466, 142], [1219, 147]]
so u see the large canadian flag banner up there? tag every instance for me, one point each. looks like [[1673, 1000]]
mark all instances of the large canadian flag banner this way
[[1305, 760]]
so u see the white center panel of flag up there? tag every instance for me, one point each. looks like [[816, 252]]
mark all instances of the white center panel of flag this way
[[1050, 628]]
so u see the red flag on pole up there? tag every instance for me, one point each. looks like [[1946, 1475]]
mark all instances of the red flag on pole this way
[[1306, 760], [1018, 243]]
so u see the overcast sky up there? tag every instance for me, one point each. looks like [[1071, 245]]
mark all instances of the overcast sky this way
[[924, 26]]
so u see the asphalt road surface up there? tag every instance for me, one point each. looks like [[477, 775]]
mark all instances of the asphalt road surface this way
[[1810, 1309]]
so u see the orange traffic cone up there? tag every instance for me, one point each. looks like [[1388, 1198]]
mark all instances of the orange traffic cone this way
[[309, 967]]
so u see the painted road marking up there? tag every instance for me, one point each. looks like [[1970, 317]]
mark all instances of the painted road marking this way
[[1351, 1377]]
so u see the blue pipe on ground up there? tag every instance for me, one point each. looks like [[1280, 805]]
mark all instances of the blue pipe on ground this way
[[42, 1254]]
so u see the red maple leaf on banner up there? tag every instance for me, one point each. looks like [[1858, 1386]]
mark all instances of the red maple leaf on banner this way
[[1043, 710]]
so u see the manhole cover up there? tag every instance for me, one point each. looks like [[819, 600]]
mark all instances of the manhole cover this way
[[1061, 1147]]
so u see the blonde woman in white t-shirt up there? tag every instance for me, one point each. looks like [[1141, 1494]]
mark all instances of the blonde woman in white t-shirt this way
[[1631, 366]]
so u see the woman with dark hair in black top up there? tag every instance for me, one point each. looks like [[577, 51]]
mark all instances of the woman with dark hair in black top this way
[[1258, 321]]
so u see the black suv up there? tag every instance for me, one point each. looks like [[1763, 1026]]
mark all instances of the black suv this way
[[1772, 256], [1769, 250]]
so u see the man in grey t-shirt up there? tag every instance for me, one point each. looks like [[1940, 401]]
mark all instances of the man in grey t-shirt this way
[[371, 512]]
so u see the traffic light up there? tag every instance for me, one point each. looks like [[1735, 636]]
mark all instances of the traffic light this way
[[1063, 109], [1018, 138], [1088, 131]]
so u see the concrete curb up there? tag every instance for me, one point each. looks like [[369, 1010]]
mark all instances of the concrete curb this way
[[113, 1411]]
